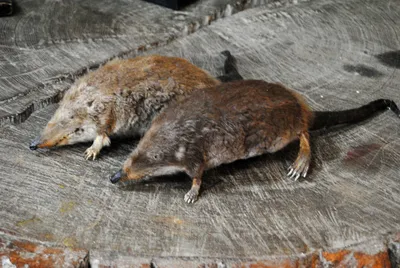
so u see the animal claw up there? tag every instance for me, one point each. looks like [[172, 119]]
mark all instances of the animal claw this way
[[305, 172], [293, 175], [190, 197], [90, 153], [298, 169], [187, 199]]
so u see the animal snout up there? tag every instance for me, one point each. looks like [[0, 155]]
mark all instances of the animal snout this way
[[117, 176], [34, 144], [226, 53]]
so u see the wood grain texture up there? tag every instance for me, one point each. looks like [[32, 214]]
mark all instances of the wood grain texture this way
[[325, 50], [353, 256], [46, 44]]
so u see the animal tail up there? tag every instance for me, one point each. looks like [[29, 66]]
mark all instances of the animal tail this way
[[328, 119], [230, 68]]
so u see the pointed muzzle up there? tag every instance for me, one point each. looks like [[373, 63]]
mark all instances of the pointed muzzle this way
[[34, 144], [118, 176]]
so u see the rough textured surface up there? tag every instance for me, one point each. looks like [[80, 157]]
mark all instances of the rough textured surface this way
[[338, 54], [372, 253], [21, 252], [46, 43]]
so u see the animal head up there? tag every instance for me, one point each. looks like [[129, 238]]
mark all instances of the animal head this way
[[74, 121], [163, 150]]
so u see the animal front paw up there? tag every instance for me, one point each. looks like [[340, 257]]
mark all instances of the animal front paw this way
[[191, 196], [91, 152]]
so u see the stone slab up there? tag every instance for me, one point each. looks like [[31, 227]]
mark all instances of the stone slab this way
[[338, 54]]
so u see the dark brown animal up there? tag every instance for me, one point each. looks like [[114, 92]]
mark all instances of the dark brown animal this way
[[121, 98], [228, 122]]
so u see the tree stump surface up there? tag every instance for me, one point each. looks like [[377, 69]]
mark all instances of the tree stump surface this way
[[45, 45], [337, 54]]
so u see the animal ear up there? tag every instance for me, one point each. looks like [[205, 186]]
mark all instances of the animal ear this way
[[99, 104]]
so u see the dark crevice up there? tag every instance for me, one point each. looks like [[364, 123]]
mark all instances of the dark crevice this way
[[153, 264], [85, 262], [394, 254]]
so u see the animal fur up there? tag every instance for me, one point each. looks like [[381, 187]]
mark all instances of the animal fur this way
[[232, 121], [121, 98]]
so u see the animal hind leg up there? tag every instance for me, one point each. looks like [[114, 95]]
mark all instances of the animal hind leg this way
[[302, 163], [99, 142], [191, 196]]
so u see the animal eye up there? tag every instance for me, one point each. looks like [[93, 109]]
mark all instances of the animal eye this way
[[157, 156], [72, 117], [77, 129]]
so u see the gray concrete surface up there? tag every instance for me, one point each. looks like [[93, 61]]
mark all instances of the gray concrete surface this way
[[338, 54]]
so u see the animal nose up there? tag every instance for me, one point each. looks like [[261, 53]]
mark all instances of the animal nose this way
[[226, 53], [34, 144], [117, 176]]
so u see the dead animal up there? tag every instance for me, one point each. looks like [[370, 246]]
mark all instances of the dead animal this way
[[121, 98], [232, 121]]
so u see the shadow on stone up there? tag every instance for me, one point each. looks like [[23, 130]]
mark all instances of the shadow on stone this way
[[391, 58], [363, 70], [268, 163]]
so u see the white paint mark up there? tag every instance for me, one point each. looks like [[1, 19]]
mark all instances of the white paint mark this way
[[95, 263], [228, 11], [206, 20], [357, 92], [221, 265], [6, 263], [322, 97]]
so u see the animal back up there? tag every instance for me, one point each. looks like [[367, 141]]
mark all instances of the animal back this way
[[169, 73]]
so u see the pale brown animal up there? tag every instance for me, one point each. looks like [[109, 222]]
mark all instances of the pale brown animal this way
[[121, 98]]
